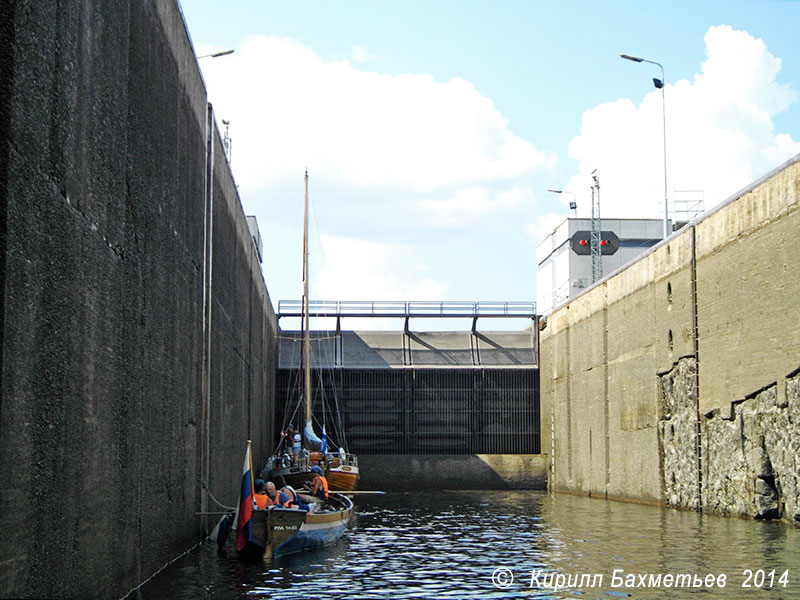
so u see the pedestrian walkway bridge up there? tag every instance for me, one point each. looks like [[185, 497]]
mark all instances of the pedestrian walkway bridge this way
[[407, 309]]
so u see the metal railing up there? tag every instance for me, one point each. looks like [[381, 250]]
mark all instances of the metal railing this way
[[388, 308]]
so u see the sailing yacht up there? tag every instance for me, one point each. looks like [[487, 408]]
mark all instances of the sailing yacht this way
[[289, 461]]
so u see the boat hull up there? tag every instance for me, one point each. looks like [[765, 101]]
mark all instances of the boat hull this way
[[282, 531], [343, 479], [296, 477], [342, 473]]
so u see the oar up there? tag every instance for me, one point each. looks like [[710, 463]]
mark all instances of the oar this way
[[350, 493]]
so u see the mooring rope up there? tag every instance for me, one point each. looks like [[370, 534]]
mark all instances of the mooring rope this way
[[217, 502], [161, 569]]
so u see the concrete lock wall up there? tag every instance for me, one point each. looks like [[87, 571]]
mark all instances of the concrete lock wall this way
[[644, 409], [107, 431]]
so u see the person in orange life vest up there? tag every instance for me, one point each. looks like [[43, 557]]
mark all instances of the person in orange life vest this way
[[260, 498], [319, 485], [272, 494], [286, 497], [291, 499], [276, 494]]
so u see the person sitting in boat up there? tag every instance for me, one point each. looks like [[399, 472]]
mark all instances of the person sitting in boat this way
[[294, 500], [272, 494], [319, 484], [261, 497], [285, 496]]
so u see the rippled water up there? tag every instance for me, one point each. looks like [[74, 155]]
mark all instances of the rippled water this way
[[451, 544]]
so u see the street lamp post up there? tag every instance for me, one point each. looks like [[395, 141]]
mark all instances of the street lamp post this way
[[216, 54], [572, 205], [659, 83]]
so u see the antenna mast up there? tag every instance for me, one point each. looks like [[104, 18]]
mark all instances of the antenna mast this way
[[594, 237]]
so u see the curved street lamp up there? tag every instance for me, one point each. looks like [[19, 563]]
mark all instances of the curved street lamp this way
[[659, 83], [572, 205], [216, 54]]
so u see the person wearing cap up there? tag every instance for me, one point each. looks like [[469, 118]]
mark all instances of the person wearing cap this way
[[296, 443], [319, 484], [261, 498]]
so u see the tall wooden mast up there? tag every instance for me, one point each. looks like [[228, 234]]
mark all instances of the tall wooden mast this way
[[305, 316]]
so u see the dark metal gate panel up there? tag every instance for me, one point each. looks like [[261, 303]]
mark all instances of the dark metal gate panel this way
[[430, 410], [373, 401]]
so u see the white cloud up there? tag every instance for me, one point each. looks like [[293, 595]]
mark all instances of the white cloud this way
[[720, 132], [393, 161], [367, 131], [360, 54], [357, 270], [473, 204], [544, 226]]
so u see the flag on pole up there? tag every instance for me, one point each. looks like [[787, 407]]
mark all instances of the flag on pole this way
[[244, 511], [324, 446]]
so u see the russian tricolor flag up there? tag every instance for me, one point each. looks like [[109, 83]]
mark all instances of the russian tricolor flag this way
[[245, 509]]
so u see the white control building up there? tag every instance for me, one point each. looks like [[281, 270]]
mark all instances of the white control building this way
[[565, 261]]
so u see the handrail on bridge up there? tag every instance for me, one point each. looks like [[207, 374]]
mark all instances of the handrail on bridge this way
[[407, 309]]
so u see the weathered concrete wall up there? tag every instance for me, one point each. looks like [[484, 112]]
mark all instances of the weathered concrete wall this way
[[404, 472], [747, 257], [677, 433], [751, 465], [243, 351], [638, 399], [103, 201]]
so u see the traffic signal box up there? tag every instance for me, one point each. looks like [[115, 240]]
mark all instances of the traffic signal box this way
[[581, 242]]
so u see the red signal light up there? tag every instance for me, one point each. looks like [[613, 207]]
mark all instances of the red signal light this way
[[583, 242], [603, 242]]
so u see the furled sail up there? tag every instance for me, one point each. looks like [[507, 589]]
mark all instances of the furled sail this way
[[312, 441]]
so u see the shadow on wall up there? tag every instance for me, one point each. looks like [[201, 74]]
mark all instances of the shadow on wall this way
[[411, 472]]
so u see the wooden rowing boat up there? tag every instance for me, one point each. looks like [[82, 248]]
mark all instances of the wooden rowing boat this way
[[281, 531]]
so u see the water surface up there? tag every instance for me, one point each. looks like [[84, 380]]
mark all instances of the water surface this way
[[516, 544]]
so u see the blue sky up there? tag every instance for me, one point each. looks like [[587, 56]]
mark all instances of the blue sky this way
[[432, 130]]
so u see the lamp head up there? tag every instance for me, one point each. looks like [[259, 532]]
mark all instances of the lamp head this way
[[629, 57], [658, 83], [216, 54]]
